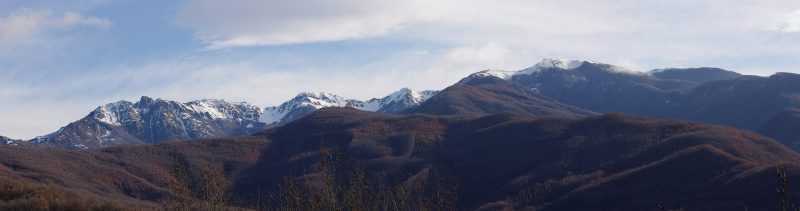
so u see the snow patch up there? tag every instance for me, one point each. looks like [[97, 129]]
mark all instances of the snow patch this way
[[209, 107], [502, 74]]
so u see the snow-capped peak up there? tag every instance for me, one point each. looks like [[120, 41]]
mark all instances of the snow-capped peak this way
[[502, 74], [396, 101], [312, 100], [221, 109], [319, 99], [406, 94], [307, 102], [117, 113]]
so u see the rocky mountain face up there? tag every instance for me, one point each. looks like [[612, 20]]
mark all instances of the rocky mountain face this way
[[306, 103], [153, 121]]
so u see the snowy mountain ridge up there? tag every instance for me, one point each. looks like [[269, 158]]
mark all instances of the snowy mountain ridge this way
[[153, 121], [156, 120], [307, 102]]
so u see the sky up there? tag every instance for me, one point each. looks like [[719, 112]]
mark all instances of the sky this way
[[61, 59]]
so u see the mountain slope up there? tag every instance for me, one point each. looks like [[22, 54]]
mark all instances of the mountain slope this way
[[154, 121], [609, 162], [746, 102], [784, 126], [764, 104], [601, 87], [480, 95], [511, 161], [173, 176]]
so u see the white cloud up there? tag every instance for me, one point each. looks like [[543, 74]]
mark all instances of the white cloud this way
[[642, 33], [274, 22], [27, 25], [790, 23]]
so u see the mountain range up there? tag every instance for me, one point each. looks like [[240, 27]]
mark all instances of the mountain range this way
[[560, 135], [552, 87], [149, 120]]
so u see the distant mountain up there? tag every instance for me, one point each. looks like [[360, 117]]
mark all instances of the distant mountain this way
[[305, 103], [698, 75], [784, 126], [764, 104], [480, 94], [599, 87], [153, 121]]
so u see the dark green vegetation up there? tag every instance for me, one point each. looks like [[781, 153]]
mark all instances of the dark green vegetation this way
[[342, 159]]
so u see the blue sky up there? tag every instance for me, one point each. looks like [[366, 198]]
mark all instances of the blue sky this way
[[60, 59]]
